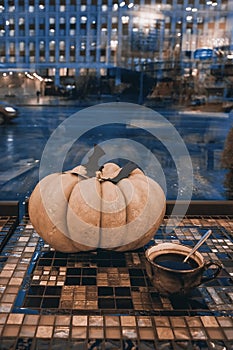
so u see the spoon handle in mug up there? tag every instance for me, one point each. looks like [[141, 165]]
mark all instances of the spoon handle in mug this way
[[199, 243]]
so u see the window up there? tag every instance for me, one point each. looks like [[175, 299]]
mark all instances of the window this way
[[72, 52], [51, 26], [42, 5], [42, 51]]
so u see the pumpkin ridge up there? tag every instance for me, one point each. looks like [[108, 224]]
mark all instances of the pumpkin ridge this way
[[68, 199], [101, 213]]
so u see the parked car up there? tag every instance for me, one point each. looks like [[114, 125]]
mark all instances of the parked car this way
[[7, 112], [198, 101]]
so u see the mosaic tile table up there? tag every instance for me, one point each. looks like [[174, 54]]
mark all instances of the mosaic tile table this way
[[104, 300]]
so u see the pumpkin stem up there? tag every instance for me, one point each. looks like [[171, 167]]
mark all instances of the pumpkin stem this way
[[124, 173]]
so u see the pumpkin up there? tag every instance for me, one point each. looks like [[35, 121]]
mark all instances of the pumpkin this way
[[116, 209]]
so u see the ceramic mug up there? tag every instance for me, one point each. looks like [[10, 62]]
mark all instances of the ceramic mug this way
[[168, 274]]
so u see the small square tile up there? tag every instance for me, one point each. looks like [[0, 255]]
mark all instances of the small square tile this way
[[44, 332], [31, 319], [162, 321], [229, 333], [3, 318], [146, 334], [11, 331], [96, 332], [178, 322], [62, 320], [129, 332], [128, 320], [61, 332], [198, 333], [79, 332], [47, 320], [79, 320], [215, 333], [112, 321], [164, 333], [225, 321], [95, 320], [15, 319], [209, 321], [144, 321], [181, 333], [113, 333], [27, 331]]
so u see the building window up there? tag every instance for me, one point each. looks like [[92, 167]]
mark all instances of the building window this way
[[41, 26], [62, 26], [72, 26], [73, 5], [51, 26], [31, 48], [52, 5], [72, 53], [42, 51], [2, 53], [42, 5], [21, 5], [72, 20]]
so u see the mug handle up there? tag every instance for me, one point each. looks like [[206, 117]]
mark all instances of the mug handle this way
[[208, 264]]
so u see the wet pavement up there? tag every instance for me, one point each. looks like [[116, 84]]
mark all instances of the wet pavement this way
[[23, 142]]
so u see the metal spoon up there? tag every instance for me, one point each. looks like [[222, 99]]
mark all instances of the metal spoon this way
[[199, 243]]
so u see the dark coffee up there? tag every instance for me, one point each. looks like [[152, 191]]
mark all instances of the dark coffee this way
[[175, 262]]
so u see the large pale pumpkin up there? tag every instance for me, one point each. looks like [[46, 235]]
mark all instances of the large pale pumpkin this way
[[73, 212]]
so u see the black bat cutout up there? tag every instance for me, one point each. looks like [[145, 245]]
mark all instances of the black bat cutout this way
[[124, 173], [92, 165]]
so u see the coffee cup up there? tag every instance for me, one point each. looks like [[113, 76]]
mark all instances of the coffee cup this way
[[170, 275]]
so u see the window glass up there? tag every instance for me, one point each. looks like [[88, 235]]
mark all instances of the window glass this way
[[172, 55]]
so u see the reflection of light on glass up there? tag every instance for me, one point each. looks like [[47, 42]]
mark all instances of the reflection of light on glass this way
[[194, 72], [38, 77], [115, 7], [194, 9], [189, 18], [9, 109], [188, 8], [125, 19], [214, 4], [114, 44], [10, 138], [122, 4], [130, 5], [10, 143]]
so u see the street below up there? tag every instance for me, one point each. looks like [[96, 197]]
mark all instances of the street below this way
[[23, 142]]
